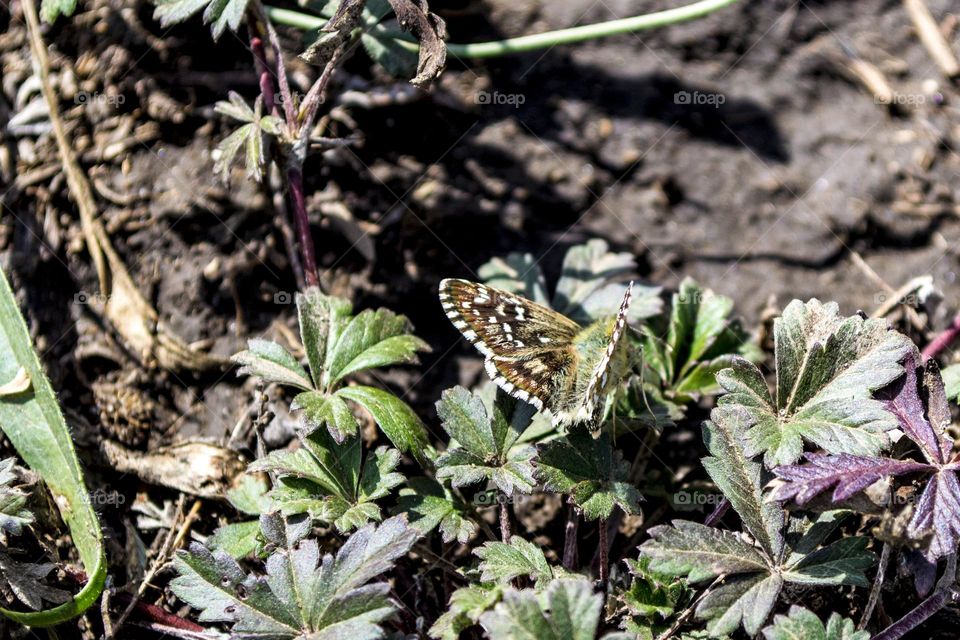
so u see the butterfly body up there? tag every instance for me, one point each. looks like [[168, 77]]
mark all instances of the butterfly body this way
[[537, 354]]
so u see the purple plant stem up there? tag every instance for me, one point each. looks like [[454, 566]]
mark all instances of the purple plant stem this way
[[505, 533], [604, 552], [717, 513], [570, 537], [945, 593], [943, 340], [295, 184], [877, 585], [263, 74]]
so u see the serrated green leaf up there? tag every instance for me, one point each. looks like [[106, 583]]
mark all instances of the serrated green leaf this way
[[502, 562], [322, 319], [842, 562], [238, 540], [590, 471], [517, 273], [802, 624], [321, 411], [429, 505], [327, 479], [740, 479], [590, 285], [651, 595], [273, 363], [827, 370], [744, 599], [485, 440], [467, 604], [50, 10], [372, 339], [220, 14], [14, 513], [394, 416], [249, 495], [567, 610], [303, 594], [700, 552]]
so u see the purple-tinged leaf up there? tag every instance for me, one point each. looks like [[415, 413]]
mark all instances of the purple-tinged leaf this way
[[938, 513], [848, 474], [902, 398], [924, 572]]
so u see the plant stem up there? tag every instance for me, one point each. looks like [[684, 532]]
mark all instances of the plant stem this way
[[304, 238], [943, 340], [570, 537], [877, 585], [504, 519], [263, 72], [536, 41], [604, 552], [945, 593]]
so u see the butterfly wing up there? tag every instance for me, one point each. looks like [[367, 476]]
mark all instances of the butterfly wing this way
[[528, 347], [584, 403]]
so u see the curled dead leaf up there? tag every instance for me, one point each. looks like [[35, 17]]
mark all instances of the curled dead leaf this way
[[431, 30]]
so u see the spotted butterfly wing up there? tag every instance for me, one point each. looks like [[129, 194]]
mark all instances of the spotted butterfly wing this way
[[534, 353]]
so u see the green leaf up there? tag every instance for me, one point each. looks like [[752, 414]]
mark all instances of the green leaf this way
[[802, 624], [592, 282], [951, 381], [842, 562], [50, 10], [651, 595], [321, 411], [322, 319], [396, 419], [325, 479], [485, 438], [700, 552], [740, 479], [701, 340], [273, 363], [502, 562], [14, 513], [827, 370], [567, 610], [517, 273], [590, 471], [467, 604], [429, 505], [26, 581], [238, 540], [373, 339], [303, 594], [32, 422], [218, 13], [744, 599]]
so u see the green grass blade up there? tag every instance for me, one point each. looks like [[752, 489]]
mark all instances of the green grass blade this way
[[32, 421]]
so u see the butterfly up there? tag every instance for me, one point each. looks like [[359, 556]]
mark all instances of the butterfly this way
[[538, 355]]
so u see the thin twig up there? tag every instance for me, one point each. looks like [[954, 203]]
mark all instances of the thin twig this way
[[877, 584], [505, 533], [932, 38], [570, 537], [686, 613]]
